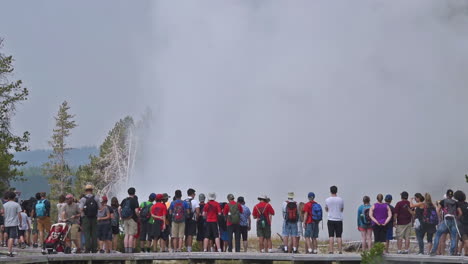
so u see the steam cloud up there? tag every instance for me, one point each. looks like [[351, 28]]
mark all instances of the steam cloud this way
[[254, 97]]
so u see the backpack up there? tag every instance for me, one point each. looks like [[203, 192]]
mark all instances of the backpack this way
[[115, 219], [291, 212], [145, 212], [126, 211], [191, 213], [40, 208], [317, 212], [450, 208], [464, 209], [430, 216], [90, 207], [178, 213], [366, 217], [234, 214], [262, 221]]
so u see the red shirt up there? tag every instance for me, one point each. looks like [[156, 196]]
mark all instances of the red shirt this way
[[265, 208], [226, 210], [159, 209], [308, 209], [402, 209], [212, 210]]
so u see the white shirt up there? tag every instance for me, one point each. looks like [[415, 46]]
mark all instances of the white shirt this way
[[335, 207]]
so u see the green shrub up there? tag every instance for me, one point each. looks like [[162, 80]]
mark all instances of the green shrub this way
[[373, 256]]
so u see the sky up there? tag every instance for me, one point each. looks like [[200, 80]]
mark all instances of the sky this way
[[255, 97]]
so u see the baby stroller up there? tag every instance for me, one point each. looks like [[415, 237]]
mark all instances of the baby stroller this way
[[55, 241]]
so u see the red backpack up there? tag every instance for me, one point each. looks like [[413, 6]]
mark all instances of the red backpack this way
[[291, 212]]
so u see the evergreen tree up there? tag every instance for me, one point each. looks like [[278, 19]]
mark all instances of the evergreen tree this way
[[11, 93], [60, 175]]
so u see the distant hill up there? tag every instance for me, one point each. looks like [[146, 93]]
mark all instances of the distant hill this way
[[75, 157], [35, 181]]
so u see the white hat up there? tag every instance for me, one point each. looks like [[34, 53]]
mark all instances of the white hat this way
[[262, 197], [290, 195], [211, 196]]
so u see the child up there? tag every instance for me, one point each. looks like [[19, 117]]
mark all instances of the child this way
[[23, 227]]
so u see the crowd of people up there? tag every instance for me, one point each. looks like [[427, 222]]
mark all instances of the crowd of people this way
[[161, 224]]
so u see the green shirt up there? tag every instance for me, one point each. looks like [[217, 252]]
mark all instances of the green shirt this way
[[142, 205]]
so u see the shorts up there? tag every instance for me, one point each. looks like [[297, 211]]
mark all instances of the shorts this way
[[264, 232], [104, 232], [12, 231], [211, 230], [74, 233], [190, 228], [335, 228], [165, 233], [21, 233], [34, 226], [389, 232], [403, 231], [244, 231], [44, 224], [115, 230], [178, 230], [290, 229], [365, 228], [156, 232], [224, 235], [130, 227], [146, 231], [312, 230]]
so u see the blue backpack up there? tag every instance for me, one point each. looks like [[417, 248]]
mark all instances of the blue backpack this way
[[40, 208], [317, 212]]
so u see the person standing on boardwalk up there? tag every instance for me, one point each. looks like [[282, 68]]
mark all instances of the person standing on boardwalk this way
[[449, 211], [159, 213], [334, 205], [179, 211], [380, 214], [232, 211], [211, 211], [12, 220], [42, 211], [71, 214], [388, 200], [312, 217], [403, 221], [191, 221], [263, 213], [129, 214], [146, 223], [201, 220], [245, 222], [364, 223], [89, 206], [290, 219]]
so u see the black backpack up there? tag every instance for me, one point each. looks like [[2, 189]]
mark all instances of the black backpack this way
[[90, 207], [145, 213]]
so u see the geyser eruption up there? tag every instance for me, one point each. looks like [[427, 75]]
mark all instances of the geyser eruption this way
[[254, 97]]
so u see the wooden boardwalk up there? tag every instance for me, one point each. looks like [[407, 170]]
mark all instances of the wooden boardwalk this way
[[142, 258]]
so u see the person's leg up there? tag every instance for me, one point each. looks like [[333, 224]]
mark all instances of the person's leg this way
[[230, 231], [339, 232], [440, 230], [143, 235], [453, 236], [94, 234], [363, 239], [237, 236], [420, 238], [407, 234], [369, 238], [331, 236], [11, 239]]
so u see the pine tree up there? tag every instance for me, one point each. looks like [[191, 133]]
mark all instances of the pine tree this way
[[60, 175], [11, 93]]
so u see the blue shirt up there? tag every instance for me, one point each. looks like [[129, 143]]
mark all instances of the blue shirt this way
[[186, 205], [361, 216], [244, 217]]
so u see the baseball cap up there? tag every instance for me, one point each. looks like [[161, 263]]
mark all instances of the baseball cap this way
[[240, 199], [230, 196], [159, 196], [69, 196], [104, 199], [152, 196], [388, 198], [311, 195], [449, 192]]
